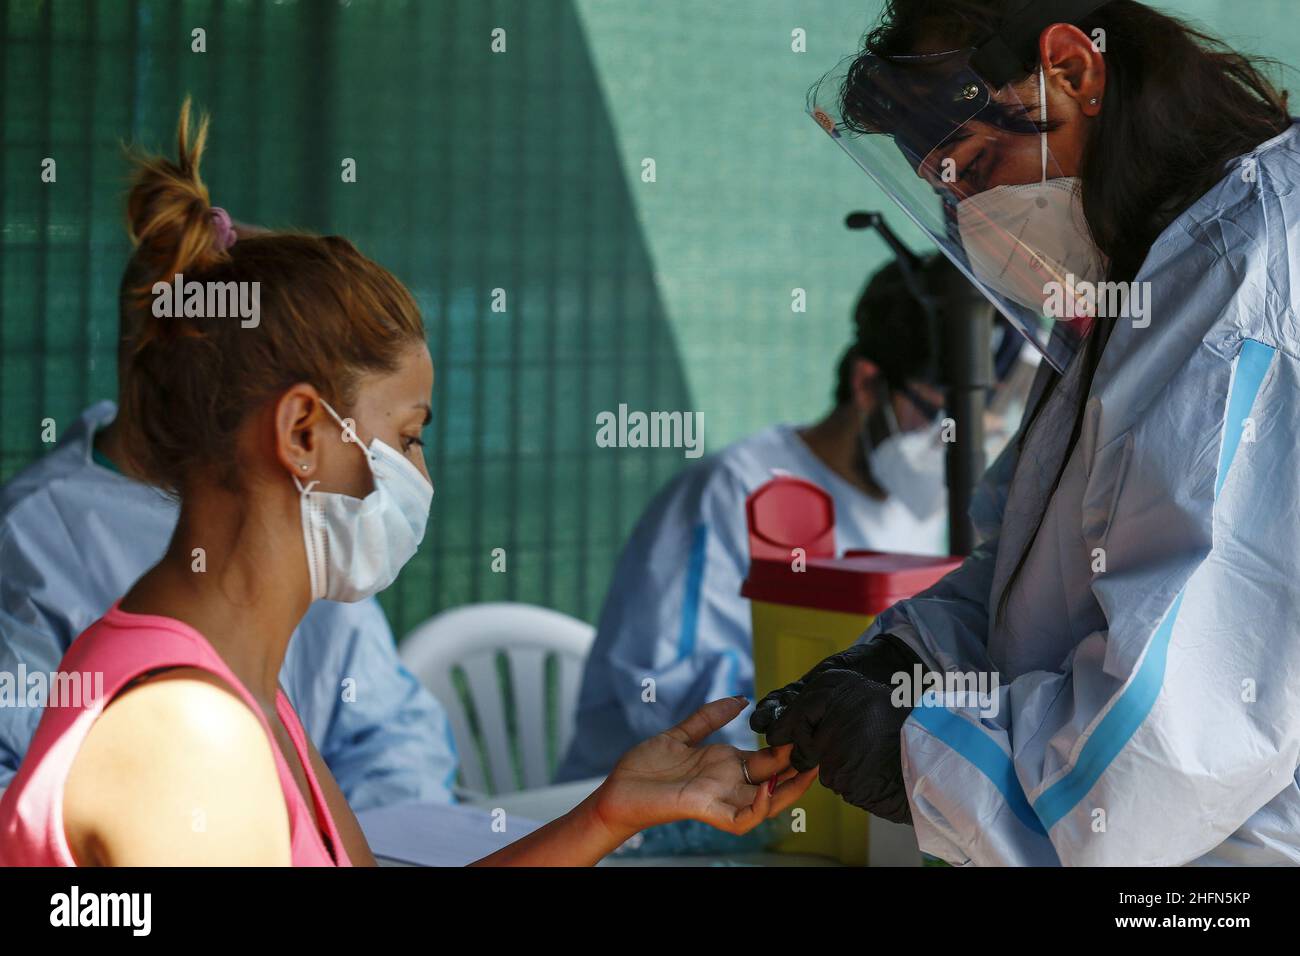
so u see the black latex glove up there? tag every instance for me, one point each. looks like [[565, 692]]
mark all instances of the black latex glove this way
[[847, 724], [878, 660], [840, 716]]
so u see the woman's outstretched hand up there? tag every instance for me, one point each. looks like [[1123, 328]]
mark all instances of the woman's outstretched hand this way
[[671, 777]]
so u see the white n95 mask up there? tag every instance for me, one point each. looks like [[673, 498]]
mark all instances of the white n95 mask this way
[[1020, 238], [356, 546], [909, 466]]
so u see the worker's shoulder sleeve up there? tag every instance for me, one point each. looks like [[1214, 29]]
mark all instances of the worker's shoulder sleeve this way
[[24, 651], [50, 590], [73, 539], [385, 738], [1169, 726], [712, 657], [651, 612], [49, 576]]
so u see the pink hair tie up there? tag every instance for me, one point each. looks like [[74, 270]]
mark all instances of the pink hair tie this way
[[226, 235]]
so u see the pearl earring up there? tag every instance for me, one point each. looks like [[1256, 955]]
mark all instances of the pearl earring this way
[[303, 466], [1093, 101]]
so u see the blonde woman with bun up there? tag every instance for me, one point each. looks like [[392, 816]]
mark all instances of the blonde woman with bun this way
[[293, 446]]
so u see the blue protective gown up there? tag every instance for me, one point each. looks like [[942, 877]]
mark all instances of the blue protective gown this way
[[673, 612], [1149, 647], [74, 536]]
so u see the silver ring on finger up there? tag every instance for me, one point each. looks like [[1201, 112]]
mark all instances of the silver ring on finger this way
[[744, 768]]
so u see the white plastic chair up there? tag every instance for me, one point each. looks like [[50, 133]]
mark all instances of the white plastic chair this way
[[470, 640]]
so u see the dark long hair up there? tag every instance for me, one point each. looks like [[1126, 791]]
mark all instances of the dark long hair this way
[[1180, 105]]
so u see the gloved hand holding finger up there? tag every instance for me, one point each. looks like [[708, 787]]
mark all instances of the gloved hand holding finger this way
[[860, 743], [799, 724], [776, 704], [772, 706], [840, 717], [878, 659]]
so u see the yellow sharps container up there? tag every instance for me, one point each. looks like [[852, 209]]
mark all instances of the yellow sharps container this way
[[808, 604]]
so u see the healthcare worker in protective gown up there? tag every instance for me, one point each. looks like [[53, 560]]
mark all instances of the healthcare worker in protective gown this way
[[1136, 590], [674, 614]]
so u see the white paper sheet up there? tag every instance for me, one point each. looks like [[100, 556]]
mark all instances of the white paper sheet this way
[[438, 834]]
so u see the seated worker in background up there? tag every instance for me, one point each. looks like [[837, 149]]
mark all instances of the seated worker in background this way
[[294, 449], [674, 615], [81, 524]]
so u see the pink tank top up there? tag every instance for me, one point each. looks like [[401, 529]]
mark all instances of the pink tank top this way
[[123, 646]]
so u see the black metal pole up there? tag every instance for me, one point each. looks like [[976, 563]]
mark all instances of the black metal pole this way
[[965, 324]]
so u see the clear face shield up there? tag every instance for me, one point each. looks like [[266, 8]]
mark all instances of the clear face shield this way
[[970, 166]]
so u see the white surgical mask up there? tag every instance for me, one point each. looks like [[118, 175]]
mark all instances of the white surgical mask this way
[[909, 466], [1019, 238], [356, 546]]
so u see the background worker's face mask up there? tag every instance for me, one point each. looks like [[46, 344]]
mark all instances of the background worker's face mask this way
[[967, 163], [909, 465], [357, 546]]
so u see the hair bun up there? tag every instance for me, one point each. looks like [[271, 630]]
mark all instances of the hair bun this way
[[169, 214]]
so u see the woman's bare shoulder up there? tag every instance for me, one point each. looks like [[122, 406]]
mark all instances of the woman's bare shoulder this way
[[177, 770]]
